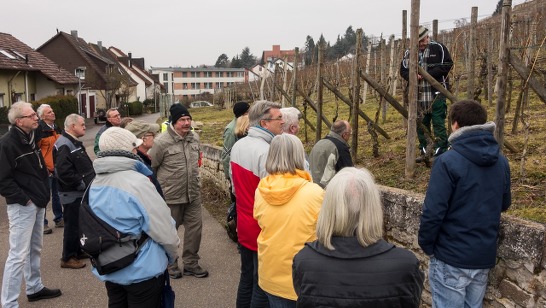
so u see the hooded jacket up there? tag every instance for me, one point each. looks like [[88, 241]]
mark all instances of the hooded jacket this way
[[379, 275], [286, 208], [247, 167], [175, 160], [123, 196], [469, 188]]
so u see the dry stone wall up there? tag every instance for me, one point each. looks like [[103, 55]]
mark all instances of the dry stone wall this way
[[518, 279]]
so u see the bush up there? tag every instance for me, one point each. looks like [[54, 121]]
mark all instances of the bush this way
[[131, 109], [4, 115], [149, 105], [62, 105]]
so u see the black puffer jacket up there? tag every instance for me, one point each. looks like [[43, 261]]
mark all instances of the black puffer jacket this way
[[23, 172], [380, 275]]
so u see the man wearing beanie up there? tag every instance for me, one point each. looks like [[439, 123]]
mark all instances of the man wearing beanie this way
[[239, 109], [175, 157], [123, 196]]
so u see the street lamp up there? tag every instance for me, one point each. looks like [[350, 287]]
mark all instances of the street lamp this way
[[80, 73]]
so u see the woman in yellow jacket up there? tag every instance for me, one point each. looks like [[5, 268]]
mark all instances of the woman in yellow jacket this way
[[286, 206]]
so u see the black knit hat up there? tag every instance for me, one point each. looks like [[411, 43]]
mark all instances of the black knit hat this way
[[240, 108], [177, 111]]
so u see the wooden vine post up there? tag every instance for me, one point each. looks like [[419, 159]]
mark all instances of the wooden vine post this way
[[472, 53], [356, 93], [504, 54], [412, 95], [320, 87], [294, 76]]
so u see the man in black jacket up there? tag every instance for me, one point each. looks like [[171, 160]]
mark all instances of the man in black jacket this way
[[24, 184], [436, 60], [74, 171]]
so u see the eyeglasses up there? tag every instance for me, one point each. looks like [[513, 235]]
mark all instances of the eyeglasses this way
[[116, 116], [275, 119], [30, 116]]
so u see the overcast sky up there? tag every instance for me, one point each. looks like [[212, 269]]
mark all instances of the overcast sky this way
[[184, 33]]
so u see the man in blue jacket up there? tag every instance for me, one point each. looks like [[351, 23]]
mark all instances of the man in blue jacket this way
[[469, 188]]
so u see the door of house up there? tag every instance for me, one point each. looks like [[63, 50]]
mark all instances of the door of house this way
[[92, 105], [83, 100]]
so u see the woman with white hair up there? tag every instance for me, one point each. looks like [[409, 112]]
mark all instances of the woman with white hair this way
[[286, 206], [350, 265]]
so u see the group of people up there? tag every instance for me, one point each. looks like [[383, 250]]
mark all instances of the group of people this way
[[310, 228]]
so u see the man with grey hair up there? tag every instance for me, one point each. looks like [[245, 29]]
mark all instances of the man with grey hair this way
[[291, 117], [247, 167], [46, 135], [113, 118], [74, 172], [24, 184], [331, 153]]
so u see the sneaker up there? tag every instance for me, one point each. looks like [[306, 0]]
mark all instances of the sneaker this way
[[174, 272], [196, 271], [72, 263], [47, 229], [44, 293], [59, 224]]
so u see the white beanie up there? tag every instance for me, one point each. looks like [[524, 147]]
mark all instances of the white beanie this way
[[117, 138]]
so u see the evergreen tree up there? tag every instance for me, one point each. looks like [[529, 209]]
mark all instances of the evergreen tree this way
[[498, 10], [223, 61], [309, 52], [247, 59]]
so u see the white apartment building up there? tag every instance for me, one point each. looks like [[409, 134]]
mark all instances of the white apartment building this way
[[189, 83]]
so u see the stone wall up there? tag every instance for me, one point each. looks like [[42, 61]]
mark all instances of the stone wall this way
[[518, 280]]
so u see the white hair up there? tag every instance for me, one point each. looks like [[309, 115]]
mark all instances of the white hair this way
[[291, 116], [41, 109], [351, 207], [286, 154]]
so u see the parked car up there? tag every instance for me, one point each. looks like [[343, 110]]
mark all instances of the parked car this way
[[100, 116], [198, 104]]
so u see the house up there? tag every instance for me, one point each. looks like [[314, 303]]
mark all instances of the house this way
[[26, 74], [148, 87], [189, 83], [103, 83]]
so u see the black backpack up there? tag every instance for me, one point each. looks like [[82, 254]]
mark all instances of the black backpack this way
[[108, 249]]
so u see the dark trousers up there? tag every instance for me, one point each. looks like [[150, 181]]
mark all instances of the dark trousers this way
[[55, 201], [145, 294], [436, 116], [71, 238], [249, 293]]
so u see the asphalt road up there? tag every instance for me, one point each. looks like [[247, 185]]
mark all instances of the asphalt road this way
[[82, 289]]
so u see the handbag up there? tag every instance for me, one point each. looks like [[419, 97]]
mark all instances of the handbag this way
[[167, 297]]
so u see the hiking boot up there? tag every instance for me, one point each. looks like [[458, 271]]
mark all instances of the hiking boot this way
[[174, 271], [72, 263], [59, 224], [47, 229], [44, 293], [196, 271]]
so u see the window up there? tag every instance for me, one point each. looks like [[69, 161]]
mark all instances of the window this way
[[240, 74], [1, 99], [218, 85], [166, 85], [165, 76], [219, 74], [184, 74], [185, 85], [208, 74], [229, 74], [7, 54], [194, 74]]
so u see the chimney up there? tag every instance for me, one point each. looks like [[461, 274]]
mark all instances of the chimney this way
[[74, 33], [26, 58], [129, 59], [99, 43]]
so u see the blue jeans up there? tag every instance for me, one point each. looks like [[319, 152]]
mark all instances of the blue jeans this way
[[55, 202], [26, 228], [249, 293], [456, 287], [280, 302], [71, 238]]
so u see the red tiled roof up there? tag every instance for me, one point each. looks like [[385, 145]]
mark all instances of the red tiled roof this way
[[17, 55]]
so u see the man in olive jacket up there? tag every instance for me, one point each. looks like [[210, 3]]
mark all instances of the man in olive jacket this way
[[24, 184], [175, 159]]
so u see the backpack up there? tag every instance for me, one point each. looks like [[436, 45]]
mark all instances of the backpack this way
[[108, 249], [231, 222]]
